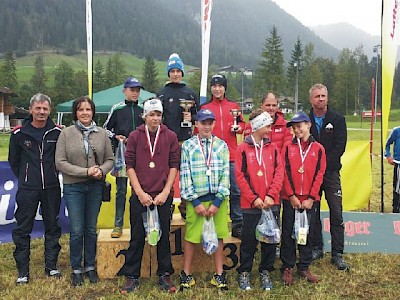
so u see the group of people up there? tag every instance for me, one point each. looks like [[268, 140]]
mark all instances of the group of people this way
[[279, 163]]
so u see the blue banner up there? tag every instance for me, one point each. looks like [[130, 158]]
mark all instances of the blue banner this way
[[8, 190]]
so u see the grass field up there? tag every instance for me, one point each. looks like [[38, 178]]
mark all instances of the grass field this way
[[372, 276]]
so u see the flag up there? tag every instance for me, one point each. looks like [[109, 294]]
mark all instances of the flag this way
[[206, 6]]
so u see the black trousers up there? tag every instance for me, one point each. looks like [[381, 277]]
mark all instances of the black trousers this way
[[248, 247], [288, 244], [28, 202], [133, 257], [333, 193], [396, 195]]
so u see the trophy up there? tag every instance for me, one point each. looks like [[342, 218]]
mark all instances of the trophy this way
[[235, 113], [186, 105]]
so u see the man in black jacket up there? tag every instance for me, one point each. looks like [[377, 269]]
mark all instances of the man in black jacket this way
[[31, 157], [124, 117], [329, 129]]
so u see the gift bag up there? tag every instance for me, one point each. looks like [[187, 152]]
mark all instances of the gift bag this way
[[119, 169], [300, 226], [152, 225], [209, 238], [267, 229]]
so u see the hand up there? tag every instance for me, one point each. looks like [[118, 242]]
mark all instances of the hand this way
[[307, 204], [268, 202], [94, 171], [295, 202], [201, 210], [145, 199], [212, 210], [98, 174], [258, 203], [187, 116], [120, 138], [390, 160], [160, 198]]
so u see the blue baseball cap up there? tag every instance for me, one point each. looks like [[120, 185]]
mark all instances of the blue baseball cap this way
[[132, 82], [205, 114], [298, 118]]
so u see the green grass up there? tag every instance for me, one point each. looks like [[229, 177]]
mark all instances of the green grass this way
[[372, 275]]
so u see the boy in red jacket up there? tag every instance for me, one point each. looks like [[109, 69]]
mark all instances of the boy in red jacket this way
[[259, 174], [305, 163]]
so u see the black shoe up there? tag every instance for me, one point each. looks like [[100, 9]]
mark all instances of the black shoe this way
[[131, 284], [92, 275], [54, 273], [237, 231], [77, 279], [340, 264], [317, 254]]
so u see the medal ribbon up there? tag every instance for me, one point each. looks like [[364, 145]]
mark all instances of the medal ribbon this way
[[208, 159], [152, 148], [258, 154], [302, 154]]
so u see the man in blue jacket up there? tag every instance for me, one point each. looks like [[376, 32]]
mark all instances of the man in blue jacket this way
[[31, 157], [394, 160]]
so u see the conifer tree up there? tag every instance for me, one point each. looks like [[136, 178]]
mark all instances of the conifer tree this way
[[150, 75]]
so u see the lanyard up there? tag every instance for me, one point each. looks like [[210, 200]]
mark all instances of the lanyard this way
[[258, 153], [208, 159], [302, 154], [152, 148]]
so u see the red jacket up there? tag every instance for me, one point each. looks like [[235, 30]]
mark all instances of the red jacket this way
[[279, 134], [303, 180], [250, 184], [224, 120]]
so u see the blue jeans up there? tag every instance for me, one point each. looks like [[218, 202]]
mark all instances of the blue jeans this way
[[234, 198], [120, 200], [83, 201]]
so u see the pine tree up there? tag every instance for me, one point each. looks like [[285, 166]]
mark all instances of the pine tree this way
[[8, 72], [150, 75], [39, 78], [270, 74], [99, 77], [294, 67], [64, 88]]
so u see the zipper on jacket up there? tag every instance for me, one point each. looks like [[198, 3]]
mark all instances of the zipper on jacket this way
[[41, 164], [26, 172], [133, 117], [222, 123]]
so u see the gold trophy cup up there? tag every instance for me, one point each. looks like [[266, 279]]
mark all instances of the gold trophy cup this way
[[186, 105], [235, 113]]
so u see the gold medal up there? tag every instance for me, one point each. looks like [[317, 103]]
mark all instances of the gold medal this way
[[208, 172], [152, 165], [301, 170], [260, 173]]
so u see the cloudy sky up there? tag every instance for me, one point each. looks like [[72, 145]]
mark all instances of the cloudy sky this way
[[363, 14]]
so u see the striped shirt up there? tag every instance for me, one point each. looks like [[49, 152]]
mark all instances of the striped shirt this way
[[194, 182]]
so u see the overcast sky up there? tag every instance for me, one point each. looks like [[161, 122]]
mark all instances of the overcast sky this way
[[363, 14]]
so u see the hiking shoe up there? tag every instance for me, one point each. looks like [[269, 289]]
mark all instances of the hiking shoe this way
[[340, 264], [185, 281], [220, 281], [307, 274], [244, 281], [165, 283], [237, 231], [131, 284], [92, 275], [287, 276], [278, 251], [117, 232], [317, 254], [23, 279], [77, 279], [265, 280], [52, 273]]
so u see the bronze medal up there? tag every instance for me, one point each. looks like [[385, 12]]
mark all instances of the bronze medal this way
[[152, 165], [260, 173], [301, 170]]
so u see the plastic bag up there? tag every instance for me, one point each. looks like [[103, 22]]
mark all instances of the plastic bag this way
[[209, 238], [119, 169], [300, 226], [151, 223], [267, 229]]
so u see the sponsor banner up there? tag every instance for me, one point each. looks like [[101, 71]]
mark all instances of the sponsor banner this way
[[366, 232], [206, 6]]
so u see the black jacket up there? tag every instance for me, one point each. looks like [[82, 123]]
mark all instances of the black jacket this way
[[32, 162], [170, 95], [333, 136], [124, 117]]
